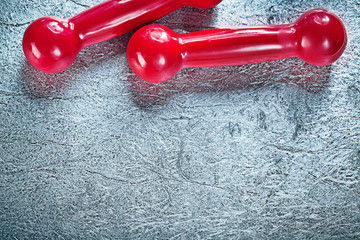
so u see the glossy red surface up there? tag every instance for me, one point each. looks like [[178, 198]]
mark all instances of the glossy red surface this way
[[156, 53], [51, 44]]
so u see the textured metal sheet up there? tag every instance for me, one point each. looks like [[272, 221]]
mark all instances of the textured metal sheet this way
[[269, 151]]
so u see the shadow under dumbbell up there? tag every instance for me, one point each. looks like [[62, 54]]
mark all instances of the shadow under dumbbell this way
[[224, 79], [189, 19]]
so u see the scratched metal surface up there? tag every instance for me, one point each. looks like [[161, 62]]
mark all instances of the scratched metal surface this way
[[263, 151]]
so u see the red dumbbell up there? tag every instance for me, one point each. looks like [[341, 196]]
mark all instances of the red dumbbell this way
[[51, 44], [155, 53]]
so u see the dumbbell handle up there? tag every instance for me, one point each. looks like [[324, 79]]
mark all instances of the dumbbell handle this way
[[227, 47], [116, 17]]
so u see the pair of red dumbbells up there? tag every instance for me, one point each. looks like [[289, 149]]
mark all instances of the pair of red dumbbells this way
[[156, 53]]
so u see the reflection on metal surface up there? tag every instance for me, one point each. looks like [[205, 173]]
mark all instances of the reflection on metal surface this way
[[288, 72]]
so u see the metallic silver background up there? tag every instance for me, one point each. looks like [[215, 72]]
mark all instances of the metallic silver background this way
[[262, 151]]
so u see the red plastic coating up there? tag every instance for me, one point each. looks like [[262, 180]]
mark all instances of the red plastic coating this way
[[51, 44], [155, 53]]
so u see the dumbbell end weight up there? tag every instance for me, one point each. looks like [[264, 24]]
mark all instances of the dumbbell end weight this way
[[320, 36], [51, 44]]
